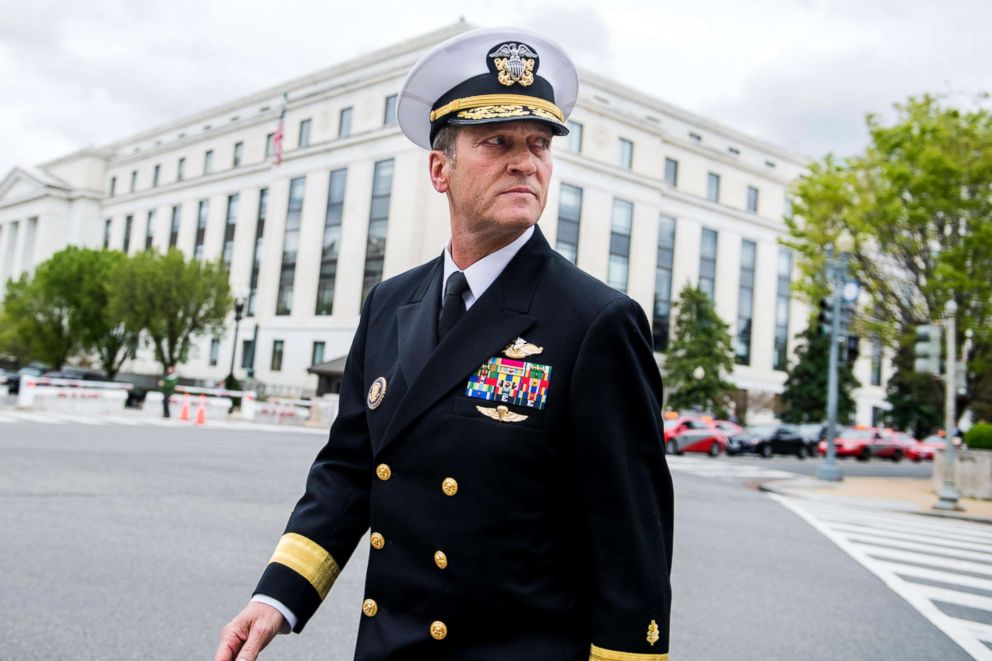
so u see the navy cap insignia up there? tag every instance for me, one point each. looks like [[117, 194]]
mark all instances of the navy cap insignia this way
[[513, 63], [501, 413], [653, 633], [521, 348], [377, 392]]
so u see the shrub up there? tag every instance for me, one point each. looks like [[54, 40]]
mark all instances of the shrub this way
[[979, 437]]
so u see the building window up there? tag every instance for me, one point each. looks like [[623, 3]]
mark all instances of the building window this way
[[208, 161], [713, 187], [375, 249], [317, 353], [304, 140], [695, 137], [150, 229], [569, 214], [107, 224], [174, 226], [876, 362], [782, 301], [270, 145], [247, 354], [290, 246], [134, 180], [389, 118], [752, 199], [113, 186], [344, 123], [661, 323], [787, 208], [181, 169], [214, 351], [276, 364], [332, 242], [128, 222], [573, 141], [623, 218], [671, 172], [745, 303], [230, 222], [239, 153], [156, 171], [201, 228], [707, 263], [256, 251], [626, 153]]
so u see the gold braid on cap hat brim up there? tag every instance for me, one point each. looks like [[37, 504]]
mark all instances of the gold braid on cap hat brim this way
[[497, 100]]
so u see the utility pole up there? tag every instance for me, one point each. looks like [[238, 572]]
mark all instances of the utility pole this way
[[948, 494]]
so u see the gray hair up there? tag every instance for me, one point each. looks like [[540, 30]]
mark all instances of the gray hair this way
[[444, 141]]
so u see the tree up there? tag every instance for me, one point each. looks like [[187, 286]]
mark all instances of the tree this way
[[172, 300], [917, 399], [104, 330], [702, 340], [918, 202], [804, 398]]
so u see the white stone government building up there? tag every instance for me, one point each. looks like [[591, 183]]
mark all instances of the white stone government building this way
[[645, 196]]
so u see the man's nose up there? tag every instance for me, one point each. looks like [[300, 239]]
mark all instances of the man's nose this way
[[522, 161]]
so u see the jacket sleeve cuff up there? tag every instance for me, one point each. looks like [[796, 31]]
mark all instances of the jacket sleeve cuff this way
[[603, 654], [289, 619]]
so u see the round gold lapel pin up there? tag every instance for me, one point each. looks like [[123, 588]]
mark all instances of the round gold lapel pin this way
[[377, 392]]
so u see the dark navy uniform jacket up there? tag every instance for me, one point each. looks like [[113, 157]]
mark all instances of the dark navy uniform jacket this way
[[548, 538]]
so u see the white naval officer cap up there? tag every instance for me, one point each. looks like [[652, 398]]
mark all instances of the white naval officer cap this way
[[488, 75]]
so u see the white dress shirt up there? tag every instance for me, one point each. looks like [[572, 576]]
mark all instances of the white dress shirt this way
[[479, 275]]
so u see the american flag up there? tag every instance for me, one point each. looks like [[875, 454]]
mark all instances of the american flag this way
[[281, 131]]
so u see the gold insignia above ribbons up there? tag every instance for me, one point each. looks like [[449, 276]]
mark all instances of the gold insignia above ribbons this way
[[602, 654], [501, 413], [308, 559], [653, 633], [377, 392], [521, 348]]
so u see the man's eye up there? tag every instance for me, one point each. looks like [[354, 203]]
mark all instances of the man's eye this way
[[495, 140]]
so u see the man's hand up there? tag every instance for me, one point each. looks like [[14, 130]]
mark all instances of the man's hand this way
[[246, 635]]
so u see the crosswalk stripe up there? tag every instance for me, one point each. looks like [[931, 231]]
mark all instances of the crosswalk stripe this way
[[867, 536]]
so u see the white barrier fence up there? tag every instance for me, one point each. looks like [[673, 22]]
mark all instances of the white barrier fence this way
[[184, 407], [72, 396]]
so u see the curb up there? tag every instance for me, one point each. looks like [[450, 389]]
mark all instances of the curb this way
[[798, 488]]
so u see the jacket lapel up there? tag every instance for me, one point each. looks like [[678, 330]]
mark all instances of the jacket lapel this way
[[494, 320], [417, 323]]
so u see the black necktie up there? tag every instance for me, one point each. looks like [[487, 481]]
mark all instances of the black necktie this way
[[454, 305]]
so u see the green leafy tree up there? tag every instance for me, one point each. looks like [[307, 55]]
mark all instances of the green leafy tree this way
[[701, 340], [917, 399], [804, 398], [172, 299], [104, 329], [917, 200]]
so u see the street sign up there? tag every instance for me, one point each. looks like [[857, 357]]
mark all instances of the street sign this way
[[926, 351]]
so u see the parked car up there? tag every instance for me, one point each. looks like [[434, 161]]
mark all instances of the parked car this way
[[768, 440], [925, 450], [813, 432], [709, 440], [76, 374], [852, 442], [683, 423], [727, 427], [888, 444]]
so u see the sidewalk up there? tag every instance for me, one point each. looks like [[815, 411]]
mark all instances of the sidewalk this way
[[912, 495]]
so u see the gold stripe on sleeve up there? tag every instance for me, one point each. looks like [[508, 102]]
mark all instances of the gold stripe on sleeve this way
[[601, 654], [308, 559]]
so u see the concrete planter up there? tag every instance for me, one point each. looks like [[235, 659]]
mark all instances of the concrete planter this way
[[972, 472]]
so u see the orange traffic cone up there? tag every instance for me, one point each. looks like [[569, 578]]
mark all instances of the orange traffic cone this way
[[184, 411], [201, 410]]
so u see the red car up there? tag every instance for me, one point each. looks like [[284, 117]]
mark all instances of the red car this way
[[925, 450], [694, 434], [852, 442], [728, 428], [889, 444]]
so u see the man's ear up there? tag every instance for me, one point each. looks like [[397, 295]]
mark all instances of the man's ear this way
[[438, 166]]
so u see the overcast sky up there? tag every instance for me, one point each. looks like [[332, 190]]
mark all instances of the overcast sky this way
[[800, 73]]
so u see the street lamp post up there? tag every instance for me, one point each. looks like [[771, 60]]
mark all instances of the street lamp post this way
[[948, 494], [239, 307], [837, 271]]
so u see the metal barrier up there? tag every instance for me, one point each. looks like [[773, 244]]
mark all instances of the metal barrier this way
[[71, 395]]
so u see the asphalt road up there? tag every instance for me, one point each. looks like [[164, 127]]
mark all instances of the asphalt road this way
[[141, 542]]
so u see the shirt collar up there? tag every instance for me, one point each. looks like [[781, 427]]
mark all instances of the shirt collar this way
[[482, 273]]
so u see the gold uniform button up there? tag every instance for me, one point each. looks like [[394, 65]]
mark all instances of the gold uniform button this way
[[440, 559], [378, 541], [449, 486], [438, 630], [370, 608], [384, 472]]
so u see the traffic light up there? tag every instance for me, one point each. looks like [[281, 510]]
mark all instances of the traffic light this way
[[825, 318], [853, 348], [926, 351]]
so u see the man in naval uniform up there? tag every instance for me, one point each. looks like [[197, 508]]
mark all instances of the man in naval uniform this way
[[499, 430]]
